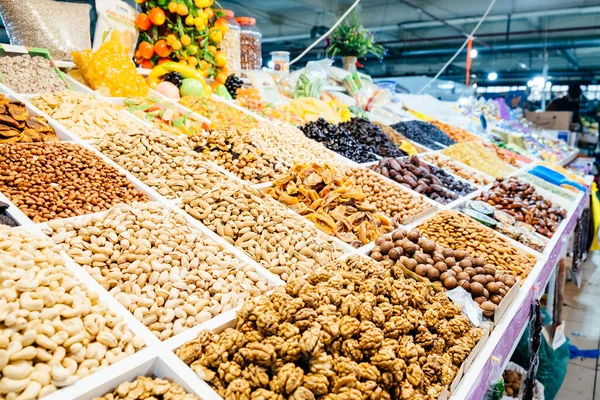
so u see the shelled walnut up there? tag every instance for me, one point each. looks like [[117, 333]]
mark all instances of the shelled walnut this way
[[351, 330]]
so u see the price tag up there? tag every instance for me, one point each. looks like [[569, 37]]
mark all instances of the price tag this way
[[13, 48], [559, 336]]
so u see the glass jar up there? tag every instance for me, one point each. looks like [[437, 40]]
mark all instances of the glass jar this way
[[231, 43], [281, 62], [250, 44]]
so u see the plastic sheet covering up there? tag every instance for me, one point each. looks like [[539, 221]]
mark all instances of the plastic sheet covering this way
[[57, 26], [110, 71]]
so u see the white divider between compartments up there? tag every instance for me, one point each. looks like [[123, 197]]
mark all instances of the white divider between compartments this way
[[77, 86]]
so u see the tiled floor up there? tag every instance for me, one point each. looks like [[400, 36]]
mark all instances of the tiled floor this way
[[582, 326]]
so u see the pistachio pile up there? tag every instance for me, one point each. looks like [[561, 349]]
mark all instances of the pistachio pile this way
[[352, 330], [281, 241], [168, 276]]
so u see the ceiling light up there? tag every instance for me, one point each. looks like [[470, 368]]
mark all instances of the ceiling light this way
[[530, 83], [522, 65], [474, 86], [474, 53], [548, 85], [539, 81], [492, 76], [270, 64]]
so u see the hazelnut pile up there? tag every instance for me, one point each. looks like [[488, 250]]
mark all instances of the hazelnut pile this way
[[61, 180], [351, 330], [444, 266]]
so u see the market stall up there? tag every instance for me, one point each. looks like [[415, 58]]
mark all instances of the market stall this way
[[182, 239]]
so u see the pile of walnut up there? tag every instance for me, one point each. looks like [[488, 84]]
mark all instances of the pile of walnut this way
[[411, 253], [148, 388], [352, 330]]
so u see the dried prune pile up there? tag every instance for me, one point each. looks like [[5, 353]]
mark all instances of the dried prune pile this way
[[338, 139], [368, 134], [450, 182], [4, 218], [424, 133]]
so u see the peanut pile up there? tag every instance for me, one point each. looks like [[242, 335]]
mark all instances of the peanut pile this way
[[60, 180], [457, 231], [234, 149], [53, 331], [352, 330], [281, 241], [168, 276], [387, 197], [83, 114], [162, 161], [145, 388], [457, 169]]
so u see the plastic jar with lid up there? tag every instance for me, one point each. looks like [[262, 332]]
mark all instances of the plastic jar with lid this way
[[250, 44], [231, 43]]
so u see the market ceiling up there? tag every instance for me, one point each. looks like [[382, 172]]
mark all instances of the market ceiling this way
[[422, 35]]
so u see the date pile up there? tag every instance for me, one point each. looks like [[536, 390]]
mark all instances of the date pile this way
[[520, 200], [331, 200], [352, 330], [443, 266], [338, 139], [17, 125], [370, 135], [423, 178], [424, 133]]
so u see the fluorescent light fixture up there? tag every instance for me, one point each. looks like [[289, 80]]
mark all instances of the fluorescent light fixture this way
[[492, 76], [539, 81], [474, 53], [522, 65]]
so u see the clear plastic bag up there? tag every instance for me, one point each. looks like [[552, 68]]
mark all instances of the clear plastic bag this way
[[469, 307], [59, 27], [116, 23], [312, 81]]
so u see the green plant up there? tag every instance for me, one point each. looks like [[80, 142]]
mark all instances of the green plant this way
[[352, 39]]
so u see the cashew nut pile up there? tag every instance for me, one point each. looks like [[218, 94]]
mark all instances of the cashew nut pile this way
[[144, 388], [289, 144], [352, 330], [234, 149], [274, 236], [53, 332], [168, 276], [83, 114], [162, 161]]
